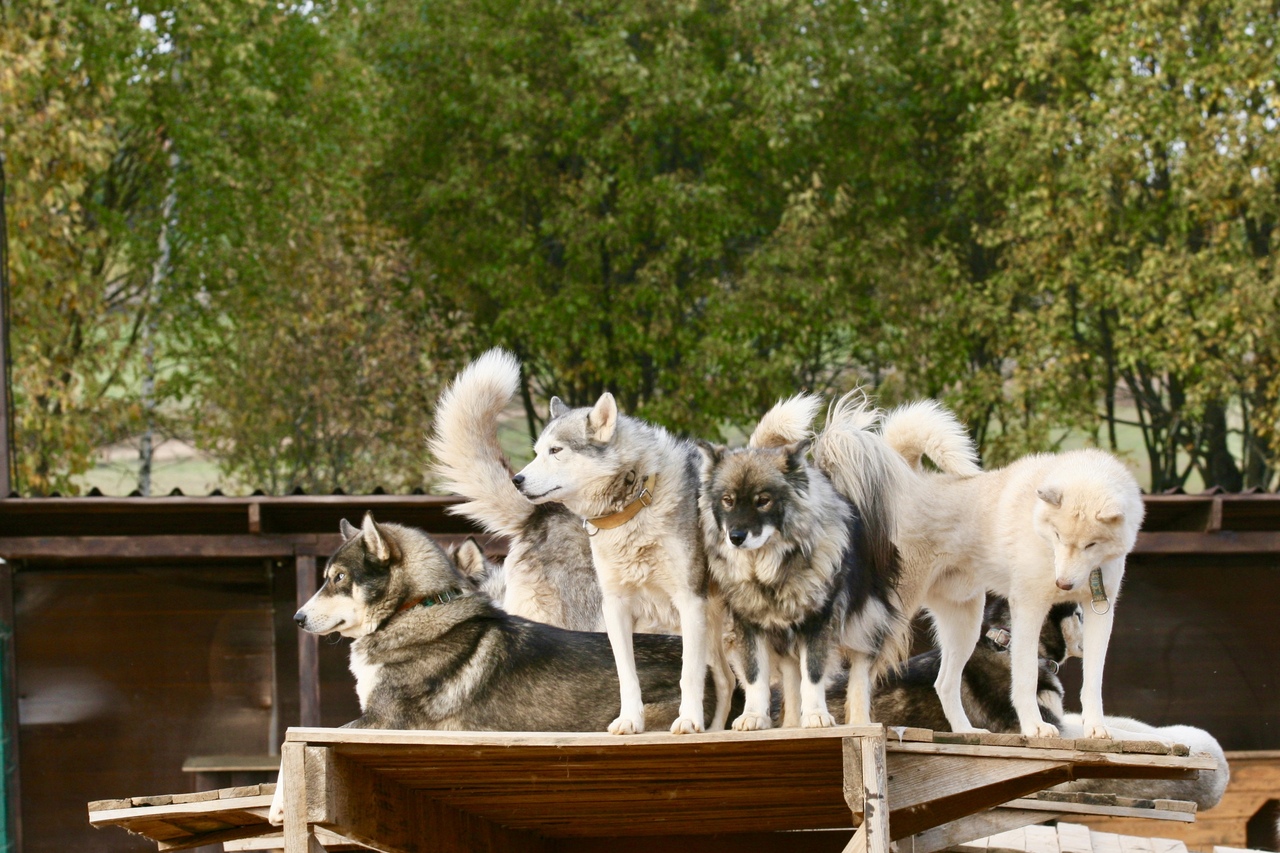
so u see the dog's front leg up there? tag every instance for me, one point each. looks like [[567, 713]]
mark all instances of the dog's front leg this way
[[757, 666], [1027, 617], [693, 669], [1097, 635], [619, 623], [813, 682]]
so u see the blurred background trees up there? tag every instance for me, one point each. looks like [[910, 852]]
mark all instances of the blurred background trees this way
[[296, 221]]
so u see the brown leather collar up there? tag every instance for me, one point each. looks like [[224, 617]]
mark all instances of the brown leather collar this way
[[628, 512]]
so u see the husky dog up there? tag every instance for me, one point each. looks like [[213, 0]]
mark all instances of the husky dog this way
[[794, 565], [430, 652], [1049, 528], [488, 577], [548, 572], [636, 486], [1033, 532], [1205, 789], [907, 697]]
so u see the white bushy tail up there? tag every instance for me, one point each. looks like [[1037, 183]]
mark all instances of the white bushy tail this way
[[925, 428], [464, 445], [789, 421]]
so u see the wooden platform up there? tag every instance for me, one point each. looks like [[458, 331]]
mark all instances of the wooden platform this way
[[845, 788]]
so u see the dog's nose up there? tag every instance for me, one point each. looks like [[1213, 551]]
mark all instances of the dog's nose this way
[[300, 618], [1065, 585], [518, 480], [737, 537]]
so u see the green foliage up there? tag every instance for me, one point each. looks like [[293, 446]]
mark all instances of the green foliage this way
[[1056, 217]]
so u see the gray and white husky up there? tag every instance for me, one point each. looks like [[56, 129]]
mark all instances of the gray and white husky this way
[[433, 652], [547, 573], [636, 486], [800, 576]]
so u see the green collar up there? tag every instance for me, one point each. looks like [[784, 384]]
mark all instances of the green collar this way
[[432, 600]]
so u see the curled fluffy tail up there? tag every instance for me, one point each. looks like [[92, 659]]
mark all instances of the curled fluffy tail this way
[[925, 428], [467, 457], [789, 421]]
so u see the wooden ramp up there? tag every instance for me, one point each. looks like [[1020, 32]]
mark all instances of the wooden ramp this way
[[845, 788]]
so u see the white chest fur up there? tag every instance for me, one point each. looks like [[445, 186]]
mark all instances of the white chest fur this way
[[366, 676]]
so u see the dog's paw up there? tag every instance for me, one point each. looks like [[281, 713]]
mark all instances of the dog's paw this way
[[1041, 729], [1097, 732], [749, 722], [276, 813], [686, 726], [626, 726], [817, 720]]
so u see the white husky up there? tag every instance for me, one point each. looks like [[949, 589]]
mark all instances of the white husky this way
[[1033, 532], [637, 487]]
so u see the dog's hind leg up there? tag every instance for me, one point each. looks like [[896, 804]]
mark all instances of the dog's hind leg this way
[[957, 625], [1026, 619], [857, 704], [619, 623], [721, 673], [693, 668], [789, 674]]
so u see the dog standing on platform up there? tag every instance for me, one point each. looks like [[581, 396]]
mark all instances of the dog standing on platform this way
[[548, 572], [798, 572], [637, 488], [433, 652]]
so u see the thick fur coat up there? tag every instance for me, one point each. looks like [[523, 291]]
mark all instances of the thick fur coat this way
[[548, 574], [652, 568]]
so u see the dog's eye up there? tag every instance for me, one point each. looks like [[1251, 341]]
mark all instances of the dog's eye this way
[[763, 501], [554, 450], [1090, 545], [339, 577], [727, 500]]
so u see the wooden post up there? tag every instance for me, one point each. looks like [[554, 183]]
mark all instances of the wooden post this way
[[308, 648], [869, 763]]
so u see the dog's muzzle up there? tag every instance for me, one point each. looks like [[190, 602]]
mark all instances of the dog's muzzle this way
[[737, 537], [301, 618]]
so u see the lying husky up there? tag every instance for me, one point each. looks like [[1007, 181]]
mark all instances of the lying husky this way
[[907, 696], [637, 487], [548, 572], [432, 652], [794, 564], [1033, 532]]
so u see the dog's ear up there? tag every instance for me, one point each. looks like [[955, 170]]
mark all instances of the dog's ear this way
[[603, 419], [558, 408], [794, 454], [374, 541], [1051, 495], [711, 453], [347, 530], [469, 558], [1110, 515]]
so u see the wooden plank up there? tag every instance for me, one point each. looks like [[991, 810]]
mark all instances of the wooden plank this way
[[1105, 842], [1116, 761], [1073, 838], [503, 741], [1041, 839], [115, 816], [1102, 810], [231, 763], [1135, 844], [972, 831], [1167, 845], [1223, 542], [297, 797], [920, 779], [949, 796]]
